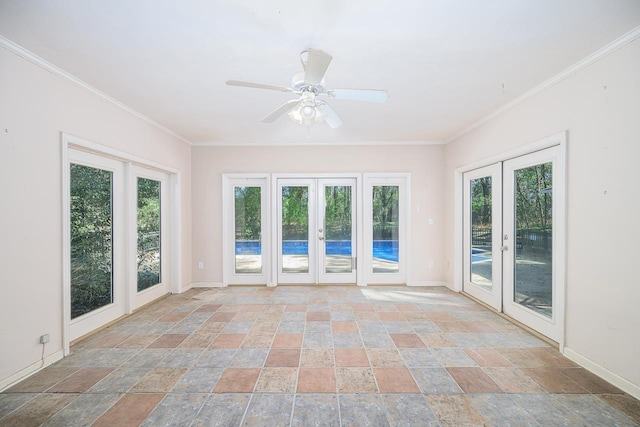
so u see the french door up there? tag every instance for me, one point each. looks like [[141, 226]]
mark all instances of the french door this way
[[97, 212], [148, 235], [316, 230], [483, 234], [513, 232]]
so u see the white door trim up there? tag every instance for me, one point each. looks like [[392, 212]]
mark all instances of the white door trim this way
[[139, 299], [493, 295], [559, 139], [71, 142], [229, 275], [550, 327], [403, 180]]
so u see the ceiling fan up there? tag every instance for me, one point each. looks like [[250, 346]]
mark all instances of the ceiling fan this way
[[310, 108]]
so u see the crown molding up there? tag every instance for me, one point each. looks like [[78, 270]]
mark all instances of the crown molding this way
[[313, 143], [46, 65], [568, 72]]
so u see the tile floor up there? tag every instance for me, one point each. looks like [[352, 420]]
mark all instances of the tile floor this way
[[325, 356]]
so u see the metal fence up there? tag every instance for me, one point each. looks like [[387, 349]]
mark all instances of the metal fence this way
[[532, 240]]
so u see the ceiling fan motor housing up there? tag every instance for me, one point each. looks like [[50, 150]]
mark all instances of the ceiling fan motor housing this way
[[298, 84]]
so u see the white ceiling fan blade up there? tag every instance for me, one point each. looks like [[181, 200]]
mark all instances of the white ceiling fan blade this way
[[317, 64], [367, 95], [332, 118], [258, 86], [282, 110]]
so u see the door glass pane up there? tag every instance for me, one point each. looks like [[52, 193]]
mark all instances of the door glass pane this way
[[295, 229], [385, 228], [248, 222], [534, 232], [91, 239], [148, 233], [481, 232], [337, 229]]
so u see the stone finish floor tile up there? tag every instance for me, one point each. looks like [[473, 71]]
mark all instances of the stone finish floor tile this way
[[38, 410], [362, 410], [624, 403], [435, 381], [131, 409], [513, 380], [455, 410], [175, 410], [269, 410], [315, 410], [237, 380], [355, 380], [501, 409], [222, 410], [473, 380], [84, 410], [316, 380], [395, 380], [308, 355], [553, 381], [277, 380], [409, 409], [43, 380], [385, 358], [81, 380]]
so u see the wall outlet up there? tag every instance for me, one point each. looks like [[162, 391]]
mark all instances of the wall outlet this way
[[200, 265], [45, 338], [430, 264]]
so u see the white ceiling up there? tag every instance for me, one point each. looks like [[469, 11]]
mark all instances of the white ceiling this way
[[446, 63]]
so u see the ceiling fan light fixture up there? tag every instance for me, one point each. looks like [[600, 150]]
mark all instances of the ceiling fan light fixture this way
[[307, 115]]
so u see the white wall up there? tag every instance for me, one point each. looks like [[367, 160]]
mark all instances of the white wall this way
[[600, 108], [423, 162], [35, 106]]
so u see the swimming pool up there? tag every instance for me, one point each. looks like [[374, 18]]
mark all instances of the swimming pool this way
[[383, 249], [480, 255]]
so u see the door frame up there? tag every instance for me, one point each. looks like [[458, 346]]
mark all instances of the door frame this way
[[140, 298], [358, 218], [548, 326], [403, 181], [174, 252], [229, 276], [493, 296], [558, 139], [119, 304]]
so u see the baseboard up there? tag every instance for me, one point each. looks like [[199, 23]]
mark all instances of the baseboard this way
[[208, 285], [427, 283], [30, 370], [623, 384]]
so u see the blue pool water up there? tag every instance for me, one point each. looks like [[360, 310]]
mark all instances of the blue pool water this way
[[479, 255], [384, 249]]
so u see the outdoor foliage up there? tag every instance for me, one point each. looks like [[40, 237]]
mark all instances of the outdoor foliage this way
[[385, 212], [337, 212], [91, 239], [148, 233], [247, 213], [534, 197], [295, 213]]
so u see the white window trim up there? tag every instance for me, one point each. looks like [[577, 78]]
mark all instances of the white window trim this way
[[139, 299], [274, 215], [403, 179], [559, 139], [174, 257], [228, 241]]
